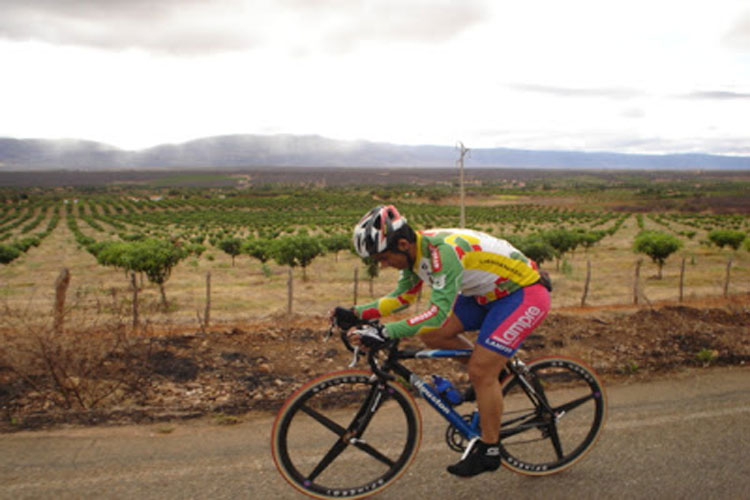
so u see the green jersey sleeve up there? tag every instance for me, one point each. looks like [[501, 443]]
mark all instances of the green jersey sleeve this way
[[445, 281], [406, 291]]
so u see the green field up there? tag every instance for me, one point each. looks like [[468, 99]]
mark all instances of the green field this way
[[55, 227]]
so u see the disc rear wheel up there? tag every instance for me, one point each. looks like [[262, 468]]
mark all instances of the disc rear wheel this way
[[551, 425]]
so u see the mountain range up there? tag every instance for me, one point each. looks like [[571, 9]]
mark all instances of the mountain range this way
[[239, 151]]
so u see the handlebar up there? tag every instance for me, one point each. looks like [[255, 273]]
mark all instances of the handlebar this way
[[344, 320]]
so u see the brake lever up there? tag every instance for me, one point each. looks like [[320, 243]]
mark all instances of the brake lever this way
[[355, 358], [329, 334]]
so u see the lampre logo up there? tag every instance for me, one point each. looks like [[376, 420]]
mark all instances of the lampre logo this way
[[419, 318], [519, 326]]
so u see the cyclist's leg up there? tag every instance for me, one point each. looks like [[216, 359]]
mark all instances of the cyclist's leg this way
[[448, 335], [505, 326], [484, 370], [484, 455]]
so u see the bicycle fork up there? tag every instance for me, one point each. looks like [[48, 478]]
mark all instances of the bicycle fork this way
[[361, 420]]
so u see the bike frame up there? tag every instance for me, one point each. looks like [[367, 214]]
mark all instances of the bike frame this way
[[468, 430], [428, 392]]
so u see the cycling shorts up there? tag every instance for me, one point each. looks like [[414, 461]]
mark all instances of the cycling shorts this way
[[503, 324]]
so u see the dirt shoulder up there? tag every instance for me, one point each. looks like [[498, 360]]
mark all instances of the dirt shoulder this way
[[237, 371]]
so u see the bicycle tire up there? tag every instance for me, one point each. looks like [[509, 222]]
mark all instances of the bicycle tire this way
[[342, 467], [535, 443]]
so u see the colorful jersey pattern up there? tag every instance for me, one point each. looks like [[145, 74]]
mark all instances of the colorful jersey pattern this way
[[452, 261]]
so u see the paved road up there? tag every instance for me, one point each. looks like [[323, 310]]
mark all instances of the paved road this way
[[683, 437]]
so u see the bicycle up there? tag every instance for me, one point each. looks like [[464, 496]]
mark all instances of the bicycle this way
[[554, 411]]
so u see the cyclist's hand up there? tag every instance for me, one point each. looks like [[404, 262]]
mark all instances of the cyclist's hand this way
[[344, 318], [370, 336]]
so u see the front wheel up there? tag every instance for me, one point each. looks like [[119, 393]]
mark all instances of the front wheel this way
[[553, 415], [346, 435]]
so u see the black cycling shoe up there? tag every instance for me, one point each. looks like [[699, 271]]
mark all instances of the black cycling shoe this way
[[482, 457]]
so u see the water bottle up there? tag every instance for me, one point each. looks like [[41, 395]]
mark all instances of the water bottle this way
[[447, 391]]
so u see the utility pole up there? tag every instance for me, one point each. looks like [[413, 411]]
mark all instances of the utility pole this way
[[463, 151]]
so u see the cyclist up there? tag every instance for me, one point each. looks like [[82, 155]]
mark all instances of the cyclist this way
[[478, 282]]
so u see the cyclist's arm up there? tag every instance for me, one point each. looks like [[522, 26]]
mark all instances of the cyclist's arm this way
[[405, 294], [445, 287]]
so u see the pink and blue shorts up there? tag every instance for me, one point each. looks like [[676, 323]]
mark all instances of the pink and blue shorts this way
[[503, 324]]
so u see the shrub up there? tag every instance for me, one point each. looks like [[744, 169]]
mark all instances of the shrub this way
[[258, 248], [296, 251], [657, 245], [8, 253], [231, 246], [727, 237], [535, 247]]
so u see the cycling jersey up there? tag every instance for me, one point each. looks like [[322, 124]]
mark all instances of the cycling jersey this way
[[452, 261]]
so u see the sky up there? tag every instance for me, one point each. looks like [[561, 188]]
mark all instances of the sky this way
[[636, 76]]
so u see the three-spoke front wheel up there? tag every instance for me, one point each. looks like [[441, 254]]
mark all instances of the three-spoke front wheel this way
[[551, 423], [346, 435]]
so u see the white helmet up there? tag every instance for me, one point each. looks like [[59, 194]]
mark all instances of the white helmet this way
[[374, 232]]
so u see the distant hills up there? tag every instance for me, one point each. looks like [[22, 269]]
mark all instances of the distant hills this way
[[238, 151]]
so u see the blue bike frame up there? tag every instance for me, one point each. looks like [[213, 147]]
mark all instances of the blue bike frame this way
[[433, 398]]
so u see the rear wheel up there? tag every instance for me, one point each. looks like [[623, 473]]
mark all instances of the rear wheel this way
[[346, 435], [548, 432]]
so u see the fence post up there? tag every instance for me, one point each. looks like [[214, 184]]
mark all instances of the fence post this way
[[636, 281], [586, 285], [726, 281], [682, 277], [134, 285], [207, 315], [61, 288]]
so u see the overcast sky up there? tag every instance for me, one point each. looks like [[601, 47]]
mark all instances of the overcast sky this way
[[641, 76]]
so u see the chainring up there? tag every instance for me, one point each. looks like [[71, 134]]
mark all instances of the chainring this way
[[457, 441]]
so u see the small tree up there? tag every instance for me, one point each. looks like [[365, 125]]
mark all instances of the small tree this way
[[562, 240], [112, 253], [232, 246], [590, 238], [299, 250], [728, 237], [657, 245], [535, 247], [194, 249], [156, 258], [336, 243], [8, 253], [258, 248]]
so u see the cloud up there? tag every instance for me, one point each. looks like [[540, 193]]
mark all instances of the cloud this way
[[739, 36], [178, 26], [721, 95], [421, 21], [611, 93], [200, 26], [633, 113]]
